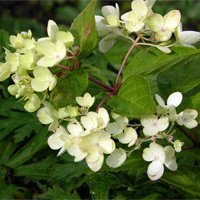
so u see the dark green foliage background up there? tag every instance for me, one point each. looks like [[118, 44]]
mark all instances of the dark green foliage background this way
[[30, 170]]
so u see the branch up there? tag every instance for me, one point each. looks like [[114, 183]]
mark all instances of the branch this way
[[64, 67], [104, 100], [109, 88], [124, 61]]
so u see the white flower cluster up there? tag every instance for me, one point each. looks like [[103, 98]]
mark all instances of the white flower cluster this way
[[91, 135], [87, 135], [156, 127], [141, 20], [29, 64]]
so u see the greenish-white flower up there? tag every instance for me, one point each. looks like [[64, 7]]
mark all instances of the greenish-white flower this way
[[164, 26], [118, 126], [129, 136], [43, 80], [187, 118], [159, 156], [33, 103], [5, 71], [153, 125], [187, 38], [178, 145], [55, 35], [27, 60], [169, 109], [107, 27], [86, 101], [53, 53], [59, 140], [13, 60], [22, 41], [135, 19]]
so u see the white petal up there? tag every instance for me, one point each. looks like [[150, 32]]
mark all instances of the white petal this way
[[101, 28], [189, 37], [46, 62], [106, 43], [103, 113], [55, 142], [94, 155], [52, 28], [163, 123], [113, 128], [163, 49], [116, 158], [139, 7], [160, 100], [169, 152], [150, 131], [172, 19], [39, 86], [129, 135], [148, 154], [171, 164], [110, 10], [96, 166], [154, 167], [87, 123], [174, 99], [107, 145], [191, 124], [75, 129], [155, 170], [44, 117], [148, 121], [76, 151], [158, 151]]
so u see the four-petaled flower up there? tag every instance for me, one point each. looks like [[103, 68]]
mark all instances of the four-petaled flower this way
[[153, 125], [159, 156]]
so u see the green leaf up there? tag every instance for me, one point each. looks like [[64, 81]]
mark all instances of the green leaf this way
[[84, 30], [69, 170], [100, 183], [4, 41], [8, 191], [58, 193], [14, 120], [37, 143], [152, 60], [181, 77], [36, 171], [134, 98], [186, 179], [68, 88]]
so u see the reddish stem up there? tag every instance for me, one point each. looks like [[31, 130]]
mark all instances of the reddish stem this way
[[124, 61], [109, 88], [64, 67], [103, 101], [196, 134]]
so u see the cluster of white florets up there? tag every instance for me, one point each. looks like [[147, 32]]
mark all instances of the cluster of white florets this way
[[84, 134], [160, 126], [155, 29], [91, 135], [30, 61]]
